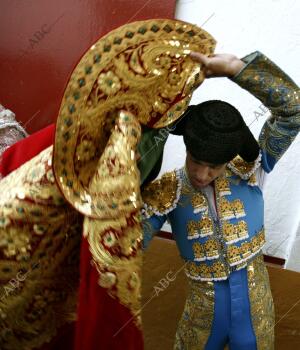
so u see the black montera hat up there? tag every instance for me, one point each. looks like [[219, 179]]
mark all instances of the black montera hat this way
[[215, 132]]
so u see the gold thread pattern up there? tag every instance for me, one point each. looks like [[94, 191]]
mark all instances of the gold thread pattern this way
[[231, 210], [142, 68], [199, 202], [39, 256], [279, 93], [238, 257], [239, 166], [235, 232], [196, 321], [161, 196], [115, 238], [261, 304], [192, 229], [222, 186]]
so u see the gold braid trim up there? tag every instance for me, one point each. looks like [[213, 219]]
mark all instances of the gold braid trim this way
[[261, 304], [162, 195]]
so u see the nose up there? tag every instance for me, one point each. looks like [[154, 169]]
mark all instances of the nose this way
[[202, 174]]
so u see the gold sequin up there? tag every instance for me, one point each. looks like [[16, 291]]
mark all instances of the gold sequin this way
[[238, 208], [206, 226], [226, 209], [237, 255], [261, 304], [222, 186], [192, 229], [198, 250], [240, 166], [235, 232], [199, 202], [196, 321], [40, 249], [161, 195], [211, 248], [204, 272]]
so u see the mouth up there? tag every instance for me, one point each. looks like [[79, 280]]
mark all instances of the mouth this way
[[200, 183]]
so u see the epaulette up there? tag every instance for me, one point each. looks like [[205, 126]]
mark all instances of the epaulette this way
[[161, 196], [242, 168]]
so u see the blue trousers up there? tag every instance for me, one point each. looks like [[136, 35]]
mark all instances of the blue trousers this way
[[232, 323]]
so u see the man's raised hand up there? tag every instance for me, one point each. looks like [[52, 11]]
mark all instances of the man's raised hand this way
[[218, 65]]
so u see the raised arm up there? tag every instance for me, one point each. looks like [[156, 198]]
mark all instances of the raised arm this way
[[275, 89]]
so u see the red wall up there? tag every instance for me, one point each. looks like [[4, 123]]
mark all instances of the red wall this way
[[41, 42]]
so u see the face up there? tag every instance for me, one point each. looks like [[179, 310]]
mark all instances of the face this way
[[202, 174]]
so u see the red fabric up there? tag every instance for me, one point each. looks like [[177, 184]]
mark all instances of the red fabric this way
[[100, 316], [13, 158], [26, 149], [64, 339]]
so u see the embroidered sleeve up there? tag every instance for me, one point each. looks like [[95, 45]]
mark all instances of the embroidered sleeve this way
[[281, 96], [161, 196]]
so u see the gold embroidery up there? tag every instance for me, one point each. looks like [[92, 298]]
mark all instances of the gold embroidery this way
[[39, 249], [237, 258], [161, 195], [222, 186], [240, 167], [142, 68], [261, 304], [216, 271], [195, 324], [256, 243], [235, 232], [226, 209], [233, 254], [252, 180], [204, 271], [229, 232], [242, 229], [230, 210], [199, 202], [206, 226], [211, 247], [238, 208], [192, 229], [115, 240], [199, 251], [246, 250], [206, 251], [237, 255]]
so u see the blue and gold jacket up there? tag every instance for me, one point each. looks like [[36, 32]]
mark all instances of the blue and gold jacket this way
[[212, 245]]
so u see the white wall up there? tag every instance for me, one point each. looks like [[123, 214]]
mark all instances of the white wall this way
[[241, 27]]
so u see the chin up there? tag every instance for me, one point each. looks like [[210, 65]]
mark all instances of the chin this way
[[197, 184]]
